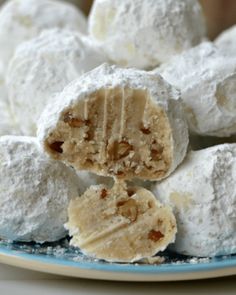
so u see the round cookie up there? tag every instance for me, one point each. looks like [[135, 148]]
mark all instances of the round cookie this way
[[43, 66], [207, 81], [21, 20], [35, 192], [226, 42], [120, 224], [123, 123], [143, 34], [202, 194]]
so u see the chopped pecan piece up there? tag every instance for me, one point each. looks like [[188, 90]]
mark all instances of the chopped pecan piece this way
[[74, 122], [155, 236], [128, 209], [56, 146], [103, 194]]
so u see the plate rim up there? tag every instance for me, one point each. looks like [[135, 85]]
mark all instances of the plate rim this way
[[118, 272]]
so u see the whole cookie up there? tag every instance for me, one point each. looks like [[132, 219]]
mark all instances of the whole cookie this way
[[43, 66], [202, 194], [21, 20], [117, 122], [207, 81], [120, 224], [146, 33], [35, 192]]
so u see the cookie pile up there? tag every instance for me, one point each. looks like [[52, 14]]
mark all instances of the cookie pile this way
[[128, 101]]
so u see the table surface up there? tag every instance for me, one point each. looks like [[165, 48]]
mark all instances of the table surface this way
[[18, 281]]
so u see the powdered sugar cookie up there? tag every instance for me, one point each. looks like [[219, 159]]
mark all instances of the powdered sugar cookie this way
[[43, 66], [202, 193], [120, 224], [35, 191], [146, 33], [117, 122], [21, 20], [207, 80]]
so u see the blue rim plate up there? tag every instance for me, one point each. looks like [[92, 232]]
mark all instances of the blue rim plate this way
[[59, 258]]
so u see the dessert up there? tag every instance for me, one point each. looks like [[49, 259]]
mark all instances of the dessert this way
[[202, 194], [43, 66], [117, 122], [207, 80], [146, 33], [35, 192], [21, 20], [122, 224]]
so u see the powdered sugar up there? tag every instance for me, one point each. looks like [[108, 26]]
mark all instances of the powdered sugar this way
[[146, 33], [43, 66], [35, 191], [202, 194], [21, 20]]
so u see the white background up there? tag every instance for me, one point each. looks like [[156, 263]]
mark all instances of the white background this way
[[23, 282]]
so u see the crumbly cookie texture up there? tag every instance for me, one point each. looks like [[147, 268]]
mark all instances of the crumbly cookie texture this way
[[35, 191], [226, 42], [43, 66], [207, 80], [202, 193], [120, 224], [144, 34], [21, 20], [7, 123], [117, 122]]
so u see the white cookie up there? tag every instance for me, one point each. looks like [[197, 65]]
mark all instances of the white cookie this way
[[226, 41], [146, 33], [117, 122], [120, 224], [202, 193], [21, 20], [35, 191], [207, 81], [43, 66]]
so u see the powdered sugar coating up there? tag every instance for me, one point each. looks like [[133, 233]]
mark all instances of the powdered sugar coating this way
[[21, 20], [226, 42], [106, 76], [7, 122], [202, 193], [43, 66], [35, 191], [206, 80], [146, 33]]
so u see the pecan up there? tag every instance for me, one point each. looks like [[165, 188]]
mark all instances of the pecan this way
[[74, 122], [103, 194], [128, 209], [130, 192], [56, 146], [155, 236], [156, 151], [119, 150], [145, 130]]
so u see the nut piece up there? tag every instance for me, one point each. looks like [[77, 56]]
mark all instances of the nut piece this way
[[155, 235], [120, 228], [128, 209]]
